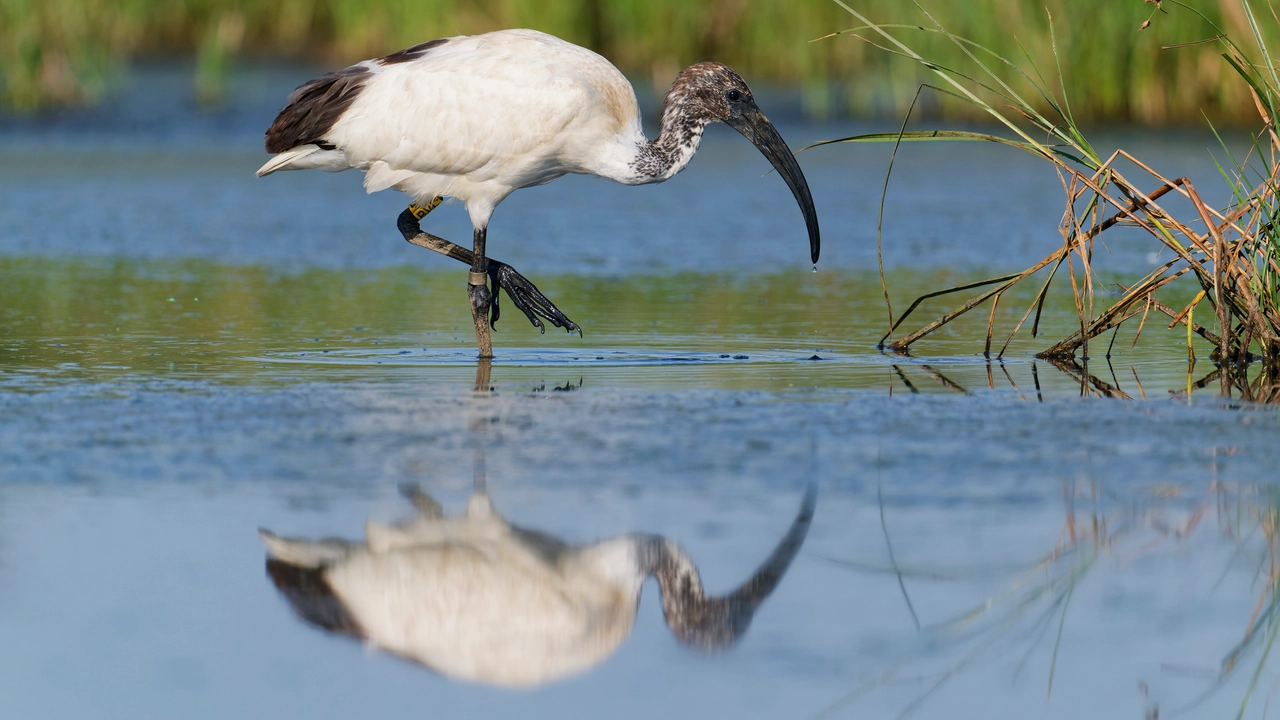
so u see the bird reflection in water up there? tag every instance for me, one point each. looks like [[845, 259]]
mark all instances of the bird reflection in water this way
[[479, 599]]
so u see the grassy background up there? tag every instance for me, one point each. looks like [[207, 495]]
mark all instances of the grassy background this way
[[57, 52]]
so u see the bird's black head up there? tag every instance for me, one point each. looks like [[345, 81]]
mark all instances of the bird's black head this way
[[712, 92]]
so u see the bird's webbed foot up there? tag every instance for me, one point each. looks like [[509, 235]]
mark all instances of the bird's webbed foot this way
[[527, 297], [523, 293]]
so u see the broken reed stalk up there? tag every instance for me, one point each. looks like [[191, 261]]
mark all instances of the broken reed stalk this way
[[1235, 259]]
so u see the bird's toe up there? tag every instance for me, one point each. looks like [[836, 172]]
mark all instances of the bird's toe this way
[[526, 296]]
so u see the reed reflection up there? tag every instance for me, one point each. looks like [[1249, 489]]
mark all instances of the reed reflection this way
[[1138, 539], [477, 598]]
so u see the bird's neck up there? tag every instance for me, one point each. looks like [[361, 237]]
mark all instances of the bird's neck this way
[[695, 618], [660, 159]]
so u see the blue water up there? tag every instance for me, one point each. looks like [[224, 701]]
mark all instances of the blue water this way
[[1055, 553]]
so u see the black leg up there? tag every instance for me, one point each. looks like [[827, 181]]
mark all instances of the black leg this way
[[524, 294], [479, 295]]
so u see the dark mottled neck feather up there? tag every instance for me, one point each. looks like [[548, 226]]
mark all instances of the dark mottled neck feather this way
[[713, 623], [683, 120], [671, 152]]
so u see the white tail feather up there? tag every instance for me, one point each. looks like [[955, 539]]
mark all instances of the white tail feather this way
[[280, 161], [381, 176], [305, 553]]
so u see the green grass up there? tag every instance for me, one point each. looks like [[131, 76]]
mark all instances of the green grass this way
[[1232, 255], [72, 51]]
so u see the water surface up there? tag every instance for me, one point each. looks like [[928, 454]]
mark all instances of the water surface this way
[[188, 354]]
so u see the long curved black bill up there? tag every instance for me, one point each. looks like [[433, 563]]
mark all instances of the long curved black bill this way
[[744, 601], [755, 127]]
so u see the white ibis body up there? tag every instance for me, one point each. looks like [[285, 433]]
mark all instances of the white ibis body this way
[[476, 598], [478, 117]]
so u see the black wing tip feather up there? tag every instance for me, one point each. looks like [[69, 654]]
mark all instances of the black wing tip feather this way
[[314, 108], [312, 598], [412, 53]]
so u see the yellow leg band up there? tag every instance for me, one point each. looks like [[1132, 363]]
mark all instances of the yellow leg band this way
[[421, 211]]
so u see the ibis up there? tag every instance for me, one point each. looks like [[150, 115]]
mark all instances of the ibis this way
[[475, 118], [476, 598]]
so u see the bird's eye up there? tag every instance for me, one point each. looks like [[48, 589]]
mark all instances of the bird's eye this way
[[733, 96]]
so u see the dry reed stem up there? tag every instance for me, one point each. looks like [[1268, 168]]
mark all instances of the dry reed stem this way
[[1058, 255], [1239, 275], [1200, 330], [1227, 280], [1104, 322], [1142, 323], [991, 322]]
